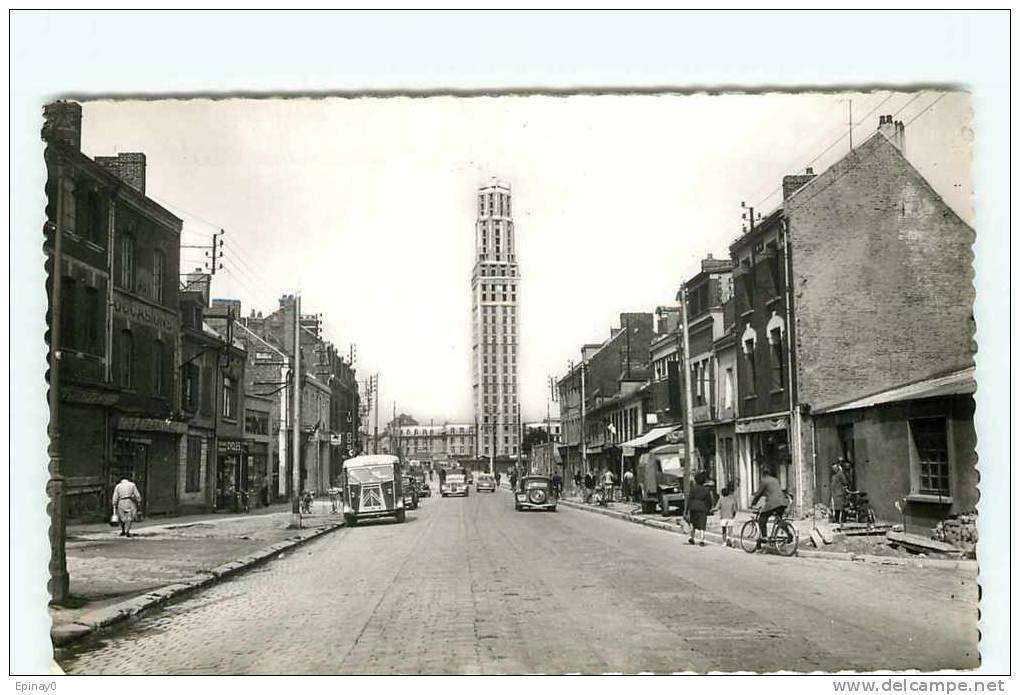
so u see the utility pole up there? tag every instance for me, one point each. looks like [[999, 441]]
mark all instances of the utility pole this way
[[492, 451], [519, 426], [375, 402], [296, 414], [584, 447], [850, 120], [60, 582], [688, 402], [213, 252]]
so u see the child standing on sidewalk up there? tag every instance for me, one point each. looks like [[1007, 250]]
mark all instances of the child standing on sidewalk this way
[[727, 507]]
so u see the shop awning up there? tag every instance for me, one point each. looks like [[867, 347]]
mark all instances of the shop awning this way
[[647, 439], [958, 383]]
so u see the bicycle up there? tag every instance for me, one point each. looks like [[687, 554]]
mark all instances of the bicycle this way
[[782, 535]]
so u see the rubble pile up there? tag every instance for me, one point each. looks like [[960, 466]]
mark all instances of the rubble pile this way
[[821, 512], [959, 531]]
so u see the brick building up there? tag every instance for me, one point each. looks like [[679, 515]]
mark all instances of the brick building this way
[[612, 372], [268, 376], [871, 237], [329, 395], [707, 293], [873, 271], [118, 409]]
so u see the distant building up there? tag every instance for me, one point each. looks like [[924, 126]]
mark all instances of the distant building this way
[[552, 426], [330, 402], [445, 442], [495, 323]]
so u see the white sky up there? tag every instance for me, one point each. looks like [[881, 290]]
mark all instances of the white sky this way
[[367, 206]]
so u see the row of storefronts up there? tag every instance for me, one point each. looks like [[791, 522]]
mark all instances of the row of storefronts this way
[[811, 344], [157, 381]]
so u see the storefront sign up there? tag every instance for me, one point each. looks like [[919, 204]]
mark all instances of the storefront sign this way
[[148, 424], [764, 425], [230, 446], [134, 310]]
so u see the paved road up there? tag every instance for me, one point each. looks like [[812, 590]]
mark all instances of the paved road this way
[[470, 586]]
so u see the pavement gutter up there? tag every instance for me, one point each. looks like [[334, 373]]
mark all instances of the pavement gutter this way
[[90, 622], [716, 539]]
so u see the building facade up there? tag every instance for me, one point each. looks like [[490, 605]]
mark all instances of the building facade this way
[[118, 394], [883, 316], [707, 293], [495, 322]]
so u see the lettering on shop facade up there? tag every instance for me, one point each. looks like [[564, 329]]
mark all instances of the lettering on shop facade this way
[[134, 310], [230, 446]]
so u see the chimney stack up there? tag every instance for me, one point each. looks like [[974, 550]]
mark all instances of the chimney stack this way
[[894, 131], [199, 282], [62, 124], [794, 182], [129, 167]]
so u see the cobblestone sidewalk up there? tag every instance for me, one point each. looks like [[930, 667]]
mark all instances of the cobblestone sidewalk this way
[[841, 546], [106, 569]]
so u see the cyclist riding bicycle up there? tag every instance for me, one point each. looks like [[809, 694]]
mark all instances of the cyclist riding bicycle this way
[[775, 502]]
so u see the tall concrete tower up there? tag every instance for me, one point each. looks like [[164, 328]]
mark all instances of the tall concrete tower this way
[[495, 324]]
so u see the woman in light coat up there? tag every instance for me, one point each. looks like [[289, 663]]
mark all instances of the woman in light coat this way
[[126, 500]]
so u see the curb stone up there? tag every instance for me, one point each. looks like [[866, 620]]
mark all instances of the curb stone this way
[[92, 621], [716, 539]]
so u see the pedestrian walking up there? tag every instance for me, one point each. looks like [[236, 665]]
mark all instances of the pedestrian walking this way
[[628, 485], [513, 480], [497, 478], [126, 502], [589, 486], [838, 486], [699, 505], [578, 482], [727, 508], [557, 483], [442, 476]]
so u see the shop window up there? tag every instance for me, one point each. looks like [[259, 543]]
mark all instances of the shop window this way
[[125, 363], [193, 466], [930, 444]]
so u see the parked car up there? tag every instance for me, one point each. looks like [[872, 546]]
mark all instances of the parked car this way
[[535, 492], [410, 493], [455, 484], [486, 483]]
